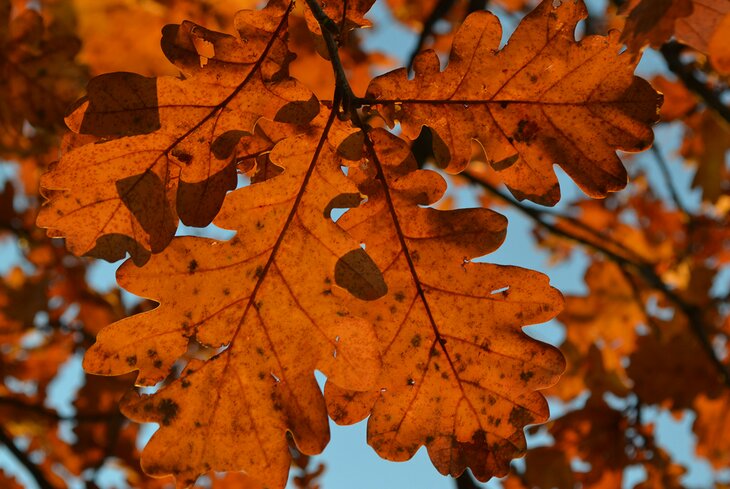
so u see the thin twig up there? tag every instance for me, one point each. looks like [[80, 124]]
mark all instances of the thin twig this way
[[664, 169], [672, 55], [331, 33], [441, 8], [54, 416], [690, 311], [643, 269], [22, 457]]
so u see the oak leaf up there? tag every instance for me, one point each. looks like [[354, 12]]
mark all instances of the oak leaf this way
[[652, 21], [459, 376], [268, 303], [346, 14], [131, 30], [172, 147], [543, 99], [702, 24]]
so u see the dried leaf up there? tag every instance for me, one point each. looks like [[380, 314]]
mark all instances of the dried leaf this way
[[267, 303], [543, 99], [173, 154], [459, 375]]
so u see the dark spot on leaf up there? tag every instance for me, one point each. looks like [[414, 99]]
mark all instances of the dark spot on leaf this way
[[168, 408], [526, 131], [519, 417], [416, 340], [132, 360], [526, 376], [192, 266]]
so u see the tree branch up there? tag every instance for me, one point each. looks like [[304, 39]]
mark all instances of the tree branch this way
[[331, 34], [664, 169], [54, 416], [441, 8], [672, 55], [644, 270], [22, 457]]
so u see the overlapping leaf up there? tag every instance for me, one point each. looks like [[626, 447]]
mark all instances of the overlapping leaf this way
[[172, 151], [543, 99], [271, 299], [459, 375], [702, 24]]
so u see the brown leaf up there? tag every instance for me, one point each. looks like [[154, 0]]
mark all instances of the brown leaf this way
[[652, 21], [170, 156], [267, 303], [459, 375], [543, 99]]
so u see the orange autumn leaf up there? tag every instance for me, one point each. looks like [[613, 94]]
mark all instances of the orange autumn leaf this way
[[459, 376], [713, 429], [608, 314], [390, 298], [702, 24], [652, 21], [543, 99], [678, 101], [132, 29], [346, 14], [172, 149], [264, 298]]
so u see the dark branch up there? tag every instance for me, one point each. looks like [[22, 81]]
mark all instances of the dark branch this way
[[441, 8], [672, 52], [666, 174], [643, 269], [331, 34], [54, 416], [22, 457]]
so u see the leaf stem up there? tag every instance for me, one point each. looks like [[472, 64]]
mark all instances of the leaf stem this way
[[344, 97]]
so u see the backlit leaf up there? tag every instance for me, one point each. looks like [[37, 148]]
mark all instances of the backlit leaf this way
[[268, 304], [459, 375], [172, 149], [543, 99]]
